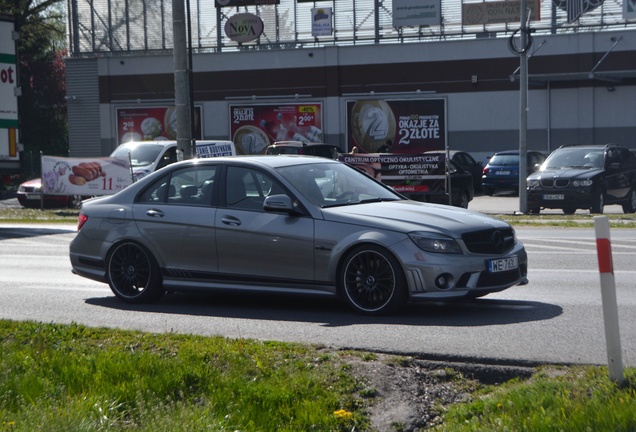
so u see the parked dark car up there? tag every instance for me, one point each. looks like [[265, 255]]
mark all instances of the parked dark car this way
[[467, 162], [329, 151], [294, 224], [501, 173], [462, 186], [584, 177]]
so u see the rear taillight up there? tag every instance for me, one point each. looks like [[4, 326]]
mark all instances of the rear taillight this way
[[81, 220]]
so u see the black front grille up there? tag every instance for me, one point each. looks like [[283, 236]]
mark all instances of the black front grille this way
[[555, 183], [490, 241]]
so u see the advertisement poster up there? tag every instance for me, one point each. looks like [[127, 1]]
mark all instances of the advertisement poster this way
[[84, 176], [396, 126], [414, 13], [403, 172], [321, 22], [151, 124], [254, 127]]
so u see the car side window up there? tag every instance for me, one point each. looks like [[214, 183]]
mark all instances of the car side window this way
[[247, 189], [170, 156], [188, 186]]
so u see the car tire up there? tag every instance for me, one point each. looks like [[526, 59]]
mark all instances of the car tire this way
[[534, 210], [74, 201], [569, 210], [630, 205], [133, 274], [372, 281], [463, 199], [488, 191], [598, 202]]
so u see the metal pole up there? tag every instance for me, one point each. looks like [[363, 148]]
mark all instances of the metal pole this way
[[523, 109], [181, 80]]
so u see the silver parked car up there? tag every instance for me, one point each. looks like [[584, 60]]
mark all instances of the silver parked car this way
[[294, 224]]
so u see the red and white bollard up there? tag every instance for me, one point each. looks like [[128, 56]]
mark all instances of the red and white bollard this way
[[608, 297]]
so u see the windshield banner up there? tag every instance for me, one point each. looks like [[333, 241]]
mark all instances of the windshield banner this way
[[84, 176]]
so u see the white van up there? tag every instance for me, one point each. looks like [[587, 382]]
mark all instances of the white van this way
[[149, 156]]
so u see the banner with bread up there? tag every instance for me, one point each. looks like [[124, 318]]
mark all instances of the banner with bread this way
[[84, 176]]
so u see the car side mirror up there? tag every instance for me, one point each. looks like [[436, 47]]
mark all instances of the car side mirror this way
[[280, 203]]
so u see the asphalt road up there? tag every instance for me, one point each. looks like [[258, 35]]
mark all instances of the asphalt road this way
[[557, 318]]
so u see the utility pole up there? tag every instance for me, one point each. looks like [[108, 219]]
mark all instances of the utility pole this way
[[181, 80], [523, 108]]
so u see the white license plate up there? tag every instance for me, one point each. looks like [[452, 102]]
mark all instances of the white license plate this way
[[33, 197], [502, 173], [504, 264], [553, 197]]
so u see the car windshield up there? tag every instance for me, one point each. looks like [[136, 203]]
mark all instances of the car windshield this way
[[574, 158], [140, 154], [336, 184], [504, 160]]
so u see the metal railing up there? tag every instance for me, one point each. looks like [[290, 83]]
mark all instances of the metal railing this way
[[104, 27]]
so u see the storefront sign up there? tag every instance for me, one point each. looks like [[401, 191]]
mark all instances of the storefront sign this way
[[84, 176], [413, 13], [491, 12], [244, 27], [254, 127]]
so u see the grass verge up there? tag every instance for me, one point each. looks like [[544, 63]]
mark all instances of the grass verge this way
[[574, 399], [75, 378]]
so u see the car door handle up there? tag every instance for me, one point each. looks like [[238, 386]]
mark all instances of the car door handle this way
[[231, 220], [155, 213]]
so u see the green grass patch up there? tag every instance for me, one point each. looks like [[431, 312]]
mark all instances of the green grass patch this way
[[75, 378], [579, 398], [29, 215]]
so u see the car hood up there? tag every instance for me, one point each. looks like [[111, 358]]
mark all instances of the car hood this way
[[407, 216], [566, 173], [37, 183]]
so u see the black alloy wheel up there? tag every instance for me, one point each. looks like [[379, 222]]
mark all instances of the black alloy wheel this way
[[373, 281], [133, 274]]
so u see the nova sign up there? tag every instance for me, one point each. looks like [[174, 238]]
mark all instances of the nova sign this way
[[244, 27]]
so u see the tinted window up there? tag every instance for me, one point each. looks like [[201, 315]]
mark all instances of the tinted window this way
[[247, 188], [188, 186]]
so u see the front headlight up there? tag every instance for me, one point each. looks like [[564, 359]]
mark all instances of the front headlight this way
[[582, 183], [438, 243], [532, 184]]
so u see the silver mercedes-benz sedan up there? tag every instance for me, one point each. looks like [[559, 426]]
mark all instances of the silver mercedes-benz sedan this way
[[294, 224]]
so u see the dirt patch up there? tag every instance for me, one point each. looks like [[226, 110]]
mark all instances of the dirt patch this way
[[410, 395]]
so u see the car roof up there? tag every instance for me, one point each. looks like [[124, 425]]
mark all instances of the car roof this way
[[590, 146], [273, 161], [299, 144], [507, 152]]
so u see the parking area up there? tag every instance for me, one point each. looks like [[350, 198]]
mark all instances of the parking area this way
[[508, 203]]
